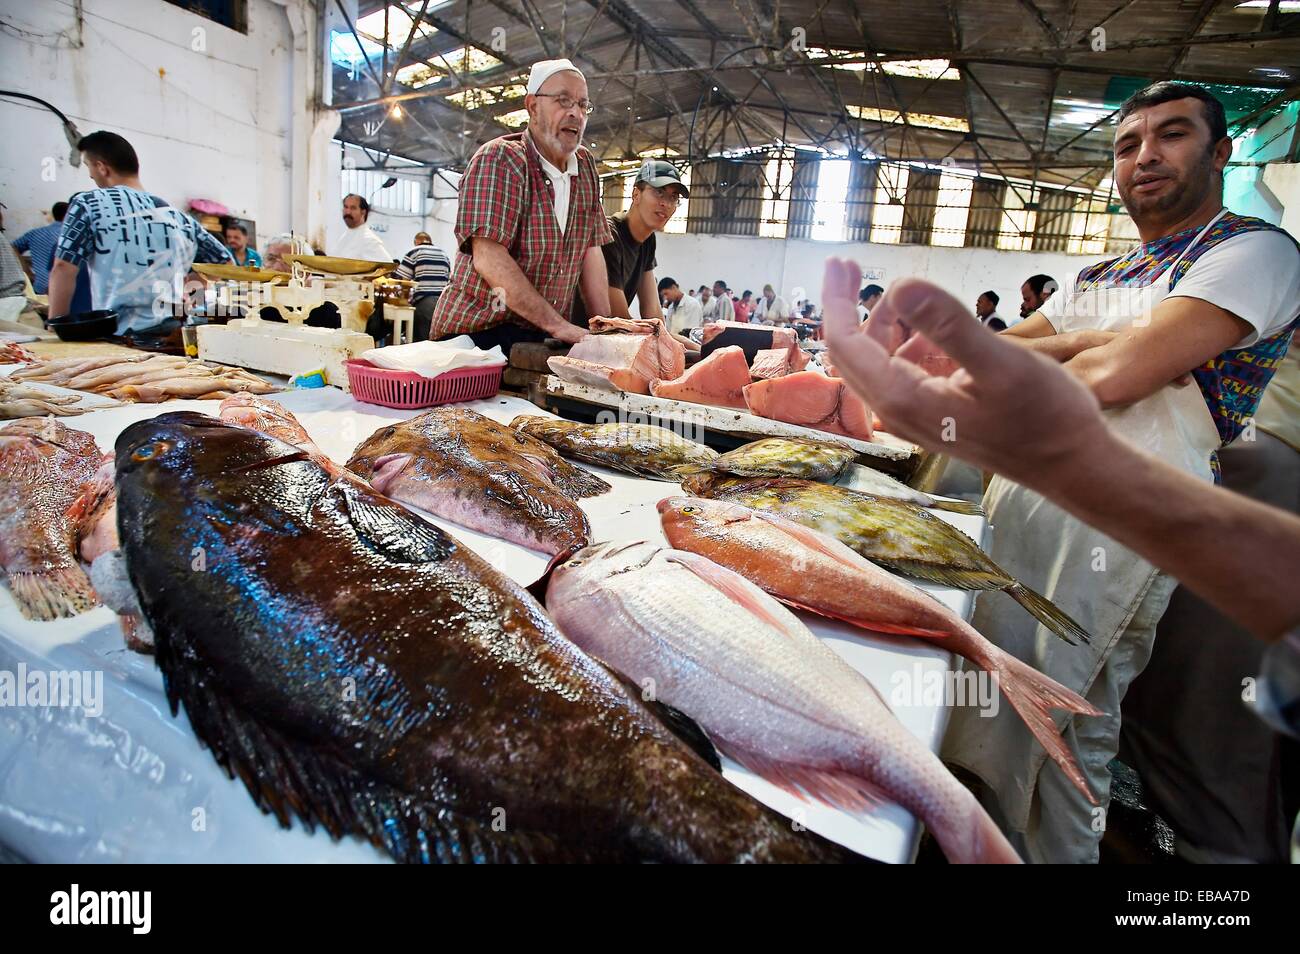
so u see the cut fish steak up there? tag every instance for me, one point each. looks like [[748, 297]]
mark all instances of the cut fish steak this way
[[720, 379], [811, 399]]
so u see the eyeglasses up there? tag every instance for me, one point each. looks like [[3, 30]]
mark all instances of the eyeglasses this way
[[568, 102], [670, 199]]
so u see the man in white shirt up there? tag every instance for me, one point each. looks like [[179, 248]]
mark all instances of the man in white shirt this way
[[772, 309], [683, 311], [359, 240], [986, 310], [719, 307]]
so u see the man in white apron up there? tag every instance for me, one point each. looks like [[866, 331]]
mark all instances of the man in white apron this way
[[1208, 293]]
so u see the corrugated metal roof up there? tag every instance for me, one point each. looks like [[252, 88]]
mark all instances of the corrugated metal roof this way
[[1038, 79]]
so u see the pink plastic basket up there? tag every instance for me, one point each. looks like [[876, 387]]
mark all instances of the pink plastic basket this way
[[406, 389]]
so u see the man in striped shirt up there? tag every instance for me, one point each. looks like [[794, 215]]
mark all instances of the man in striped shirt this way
[[36, 247], [430, 269]]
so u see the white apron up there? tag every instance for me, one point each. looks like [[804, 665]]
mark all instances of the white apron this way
[[1106, 587]]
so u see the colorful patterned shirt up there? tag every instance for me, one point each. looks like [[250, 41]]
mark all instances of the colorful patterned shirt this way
[[138, 249], [505, 197], [1233, 382]]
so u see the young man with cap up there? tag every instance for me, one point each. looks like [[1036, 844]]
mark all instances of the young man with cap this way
[[530, 225], [630, 258]]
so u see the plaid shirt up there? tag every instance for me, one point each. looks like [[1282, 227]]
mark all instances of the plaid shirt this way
[[505, 197]]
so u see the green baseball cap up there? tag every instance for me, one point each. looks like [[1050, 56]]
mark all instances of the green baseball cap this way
[[658, 173]]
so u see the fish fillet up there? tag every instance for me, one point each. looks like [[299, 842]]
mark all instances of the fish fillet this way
[[719, 379], [811, 399], [772, 363]]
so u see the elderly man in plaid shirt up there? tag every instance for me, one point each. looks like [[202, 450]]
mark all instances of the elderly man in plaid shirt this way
[[530, 225]]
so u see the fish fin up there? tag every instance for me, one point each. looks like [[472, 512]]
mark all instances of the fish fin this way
[[977, 840], [578, 482], [688, 730], [1047, 613], [52, 594], [390, 528], [288, 778], [732, 585], [958, 506], [839, 789], [1033, 694], [946, 575], [677, 722]]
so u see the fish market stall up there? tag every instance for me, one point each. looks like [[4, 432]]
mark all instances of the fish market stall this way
[[119, 778]]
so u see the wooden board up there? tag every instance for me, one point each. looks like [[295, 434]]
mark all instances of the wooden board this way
[[890, 454]]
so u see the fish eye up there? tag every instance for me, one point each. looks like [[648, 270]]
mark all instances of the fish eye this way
[[150, 451], [690, 510], [575, 563]]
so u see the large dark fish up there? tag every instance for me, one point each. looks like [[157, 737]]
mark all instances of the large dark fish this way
[[458, 464], [360, 669], [897, 535], [646, 450]]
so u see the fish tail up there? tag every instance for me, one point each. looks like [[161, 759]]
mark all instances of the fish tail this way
[[976, 841], [1033, 695], [1047, 613], [958, 506], [53, 594]]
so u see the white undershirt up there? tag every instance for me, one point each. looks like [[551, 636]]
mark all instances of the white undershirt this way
[[361, 243], [1253, 275], [560, 185]]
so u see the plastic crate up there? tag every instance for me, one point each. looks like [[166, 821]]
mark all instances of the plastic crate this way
[[406, 389]]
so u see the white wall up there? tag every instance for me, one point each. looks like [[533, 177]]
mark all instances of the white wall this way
[[1282, 180], [209, 112], [791, 264]]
